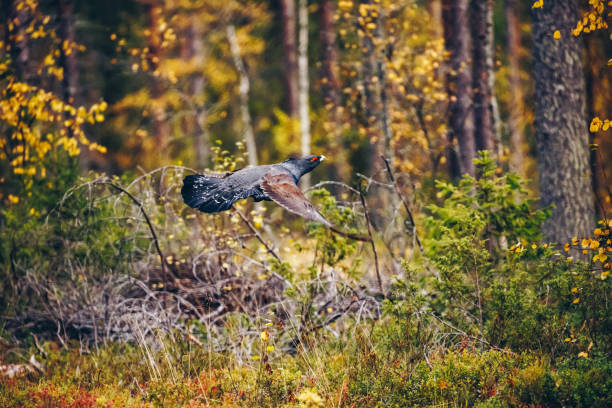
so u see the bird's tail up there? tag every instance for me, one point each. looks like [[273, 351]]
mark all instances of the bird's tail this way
[[198, 190]]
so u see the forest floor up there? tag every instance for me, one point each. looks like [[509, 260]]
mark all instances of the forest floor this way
[[373, 367]]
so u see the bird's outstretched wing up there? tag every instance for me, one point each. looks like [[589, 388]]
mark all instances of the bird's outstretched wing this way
[[281, 188], [211, 193]]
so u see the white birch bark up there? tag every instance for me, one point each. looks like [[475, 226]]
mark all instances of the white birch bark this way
[[303, 85], [249, 136]]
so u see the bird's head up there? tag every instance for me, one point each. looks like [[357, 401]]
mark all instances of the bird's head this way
[[302, 165]]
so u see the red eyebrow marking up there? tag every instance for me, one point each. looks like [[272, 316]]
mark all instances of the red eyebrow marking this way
[[314, 158]]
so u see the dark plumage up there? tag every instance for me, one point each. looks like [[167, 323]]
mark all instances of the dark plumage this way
[[212, 193]]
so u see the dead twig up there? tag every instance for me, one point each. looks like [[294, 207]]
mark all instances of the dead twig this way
[[406, 206], [162, 258], [257, 234], [356, 237], [367, 216]]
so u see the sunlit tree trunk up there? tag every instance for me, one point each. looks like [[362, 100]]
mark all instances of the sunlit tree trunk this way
[[434, 7], [195, 51], [560, 122], [303, 83], [457, 40], [481, 24], [381, 66], [597, 102], [516, 96], [249, 135], [160, 126], [290, 55]]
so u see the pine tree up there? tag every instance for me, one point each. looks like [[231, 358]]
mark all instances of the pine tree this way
[[560, 121]]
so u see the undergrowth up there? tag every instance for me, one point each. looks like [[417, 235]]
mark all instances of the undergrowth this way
[[136, 301]]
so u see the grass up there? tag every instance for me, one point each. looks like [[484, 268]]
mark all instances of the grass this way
[[355, 371]]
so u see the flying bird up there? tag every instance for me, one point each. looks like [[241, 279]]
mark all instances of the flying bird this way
[[211, 193]]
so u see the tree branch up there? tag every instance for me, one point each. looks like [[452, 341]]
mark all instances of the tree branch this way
[[257, 234], [367, 216], [404, 202]]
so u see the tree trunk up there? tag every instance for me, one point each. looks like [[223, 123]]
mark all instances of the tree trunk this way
[[482, 72], [516, 96], [457, 40], [67, 56], [303, 84], [370, 77], [160, 127], [249, 136], [385, 117], [560, 122], [290, 59], [598, 104], [330, 89], [329, 54], [16, 37], [68, 62], [434, 7], [195, 50]]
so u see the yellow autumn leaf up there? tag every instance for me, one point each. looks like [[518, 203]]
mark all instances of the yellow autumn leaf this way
[[595, 124], [557, 35]]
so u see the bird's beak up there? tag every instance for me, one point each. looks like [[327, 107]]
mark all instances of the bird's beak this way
[[321, 158]]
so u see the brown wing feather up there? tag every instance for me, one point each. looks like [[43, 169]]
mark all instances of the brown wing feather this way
[[281, 188]]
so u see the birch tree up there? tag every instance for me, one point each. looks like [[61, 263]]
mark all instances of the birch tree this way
[[244, 86], [303, 83]]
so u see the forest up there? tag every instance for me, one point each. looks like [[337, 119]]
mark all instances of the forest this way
[[305, 203]]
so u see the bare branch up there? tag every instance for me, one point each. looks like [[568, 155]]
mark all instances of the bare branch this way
[[406, 206], [257, 234], [367, 216]]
